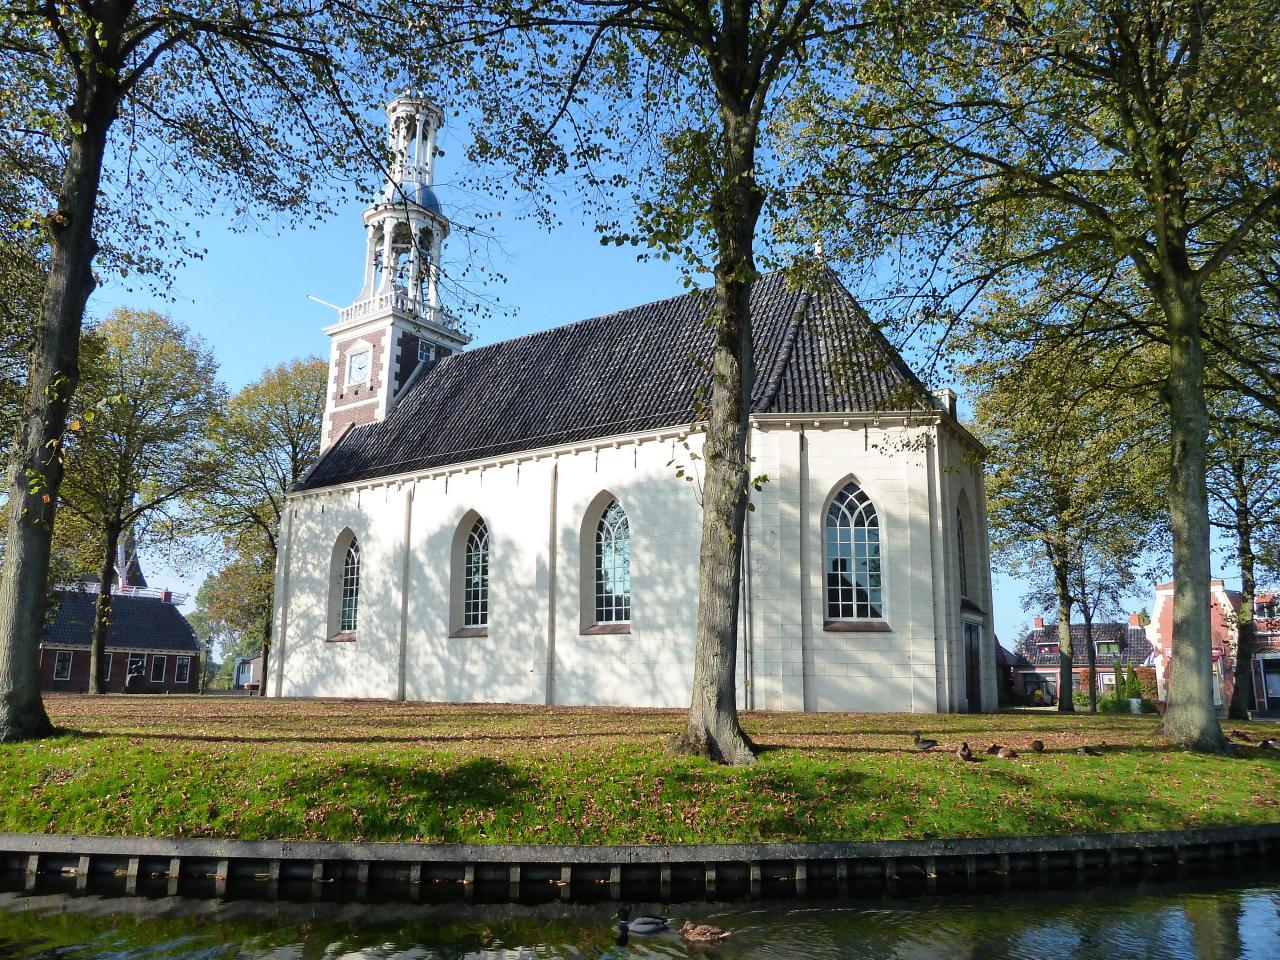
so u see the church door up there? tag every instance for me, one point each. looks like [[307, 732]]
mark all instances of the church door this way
[[973, 665]]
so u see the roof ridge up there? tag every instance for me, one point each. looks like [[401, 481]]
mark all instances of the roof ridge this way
[[783, 360]]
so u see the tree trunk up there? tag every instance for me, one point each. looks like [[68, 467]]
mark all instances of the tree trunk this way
[[266, 654], [35, 467], [1066, 655], [1190, 719], [1092, 652], [713, 730], [102, 611], [1239, 709]]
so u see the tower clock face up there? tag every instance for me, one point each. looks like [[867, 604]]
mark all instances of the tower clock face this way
[[358, 367]]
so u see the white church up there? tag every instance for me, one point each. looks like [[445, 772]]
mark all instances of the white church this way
[[517, 523]]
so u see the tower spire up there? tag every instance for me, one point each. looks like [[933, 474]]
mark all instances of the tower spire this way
[[398, 321]]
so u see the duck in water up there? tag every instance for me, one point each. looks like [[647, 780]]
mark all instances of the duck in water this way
[[639, 925]]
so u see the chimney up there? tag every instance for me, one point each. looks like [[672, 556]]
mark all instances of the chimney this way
[[1039, 623], [946, 398], [167, 596], [1135, 619]]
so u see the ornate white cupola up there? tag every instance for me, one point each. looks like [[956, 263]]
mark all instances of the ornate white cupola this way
[[397, 324]]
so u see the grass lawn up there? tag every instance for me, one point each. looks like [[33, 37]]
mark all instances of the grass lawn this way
[[371, 770]]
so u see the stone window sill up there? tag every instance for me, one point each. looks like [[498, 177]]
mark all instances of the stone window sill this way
[[604, 629], [470, 632], [345, 636], [856, 626]]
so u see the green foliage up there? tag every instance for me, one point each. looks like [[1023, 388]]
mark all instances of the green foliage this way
[[139, 422], [259, 446]]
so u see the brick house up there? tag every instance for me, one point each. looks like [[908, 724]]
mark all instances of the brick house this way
[[148, 635], [1035, 661], [1224, 607], [1266, 654]]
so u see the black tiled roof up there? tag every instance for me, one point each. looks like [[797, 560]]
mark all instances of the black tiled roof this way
[[639, 369], [1134, 646], [143, 623]]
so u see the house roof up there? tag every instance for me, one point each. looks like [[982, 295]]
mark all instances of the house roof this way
[[1133, 643], [137, 623], [638, 369]]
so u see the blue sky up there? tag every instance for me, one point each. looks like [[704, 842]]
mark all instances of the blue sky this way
[[248, 298]]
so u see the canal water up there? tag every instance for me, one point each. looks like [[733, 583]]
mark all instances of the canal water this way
[[1155, 921]]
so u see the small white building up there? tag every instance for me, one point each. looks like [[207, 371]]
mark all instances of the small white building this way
[[521, 522]]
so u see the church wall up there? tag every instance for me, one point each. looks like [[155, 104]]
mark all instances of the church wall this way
[[541, 516], [369, 665], [652, 665], [509, 663], [963, 494], [800, 664]]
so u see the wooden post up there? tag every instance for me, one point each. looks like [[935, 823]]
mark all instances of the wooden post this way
[[131, 878], [802, 878], [220, 879], [82, 874], [709, 881], [566, 882], [469, 882], [664, 881], [33, 870], [756, 884], [175, 871], [615, 882], [513, 882]]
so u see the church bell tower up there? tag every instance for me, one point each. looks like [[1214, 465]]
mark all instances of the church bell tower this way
[[397, 323]]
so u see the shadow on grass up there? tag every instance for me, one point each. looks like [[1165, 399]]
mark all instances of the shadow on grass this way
[[375, 800]]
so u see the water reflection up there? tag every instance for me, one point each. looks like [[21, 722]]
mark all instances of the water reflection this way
[[1152, 923]]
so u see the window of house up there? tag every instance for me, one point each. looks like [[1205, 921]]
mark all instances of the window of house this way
[[137, 664], [1107, 682], [851, 546], [358, 368], [1108, 647], [960, 549], [158, 665], [350, 603], [106, 666], [475, 591], [182, 670], [1048, 649], [62, 665], [613, 566], [426, 350]]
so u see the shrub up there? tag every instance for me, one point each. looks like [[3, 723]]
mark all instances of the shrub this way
[[1147, 681], [1081, 699]]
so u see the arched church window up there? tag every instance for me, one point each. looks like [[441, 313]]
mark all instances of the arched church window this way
[[960, 549], [475, 591], [349, 606], [613, 565], [851, 554]]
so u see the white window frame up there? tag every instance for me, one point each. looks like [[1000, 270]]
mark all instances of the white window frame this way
[[135, 658], [164, 668], [59, 674], [475, 573], [426, 350], [367, 353], [611, 560], [349, 589], [182, 670], [852, 556]]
